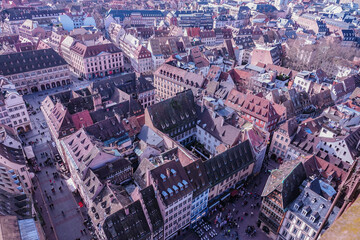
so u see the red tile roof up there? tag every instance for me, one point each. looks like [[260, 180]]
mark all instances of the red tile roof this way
[[91, 51], [82, 119], [255, 106]]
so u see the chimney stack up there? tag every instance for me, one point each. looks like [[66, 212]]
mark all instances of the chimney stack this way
[[168, 172]]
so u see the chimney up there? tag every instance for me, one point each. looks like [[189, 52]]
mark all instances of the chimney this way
[[168, 172], [127, 211]]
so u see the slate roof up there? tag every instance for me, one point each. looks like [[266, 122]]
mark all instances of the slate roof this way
[[172, 180], [129, 223], [352, 142], [110, 168], [174, 112], [21, 62], [123, 109], [286, 181], [107, 129], [152, 207], [127, 83], [245, 42], [14, 204], [16, 14], [315, 206], [198, 178], [149, 136], [229, 162]]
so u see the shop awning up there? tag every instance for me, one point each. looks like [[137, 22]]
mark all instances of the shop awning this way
[[29, 153], [224, 197], [71, 185], [234, 192]]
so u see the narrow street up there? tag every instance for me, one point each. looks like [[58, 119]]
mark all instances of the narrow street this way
[[53, 203], [62, 217]]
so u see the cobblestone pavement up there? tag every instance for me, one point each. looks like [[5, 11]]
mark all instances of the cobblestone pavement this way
[[63, 216], [57, 225]]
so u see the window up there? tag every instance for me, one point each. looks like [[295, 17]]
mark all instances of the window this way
[[306, 229], [291, 217], [287, 225], [294, 231], [284, 233], [298, 222]]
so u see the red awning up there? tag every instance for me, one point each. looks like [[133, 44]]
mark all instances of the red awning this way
[[234, 192]]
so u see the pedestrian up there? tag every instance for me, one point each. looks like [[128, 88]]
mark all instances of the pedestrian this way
[[84, 231], [52, 229], [47, 174], [62, 182], [252, 213], [40, 209], [81, 231]]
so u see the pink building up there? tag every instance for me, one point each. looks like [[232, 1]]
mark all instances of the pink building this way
[[97, 60], [174, 195]]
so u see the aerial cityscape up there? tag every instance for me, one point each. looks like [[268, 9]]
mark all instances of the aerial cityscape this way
[[180, 119]]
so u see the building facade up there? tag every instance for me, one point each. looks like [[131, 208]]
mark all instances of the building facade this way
[[96, 61], [35, 70], [13, 111]]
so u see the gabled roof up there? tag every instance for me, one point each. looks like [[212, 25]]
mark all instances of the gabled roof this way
[[129, 223], [229, 162], [326, 169], [174, 112], [27, 61], [198, 178], [108, 131], [289, 127], [216, 127], [152, 207], [172, 181], [253, 105], [286, 181], [92, 51]]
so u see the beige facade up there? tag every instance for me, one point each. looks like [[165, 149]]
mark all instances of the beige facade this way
[[92, 64], [230, 181], [169, 80], [14, 174], [47, 78], [280, 143]]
